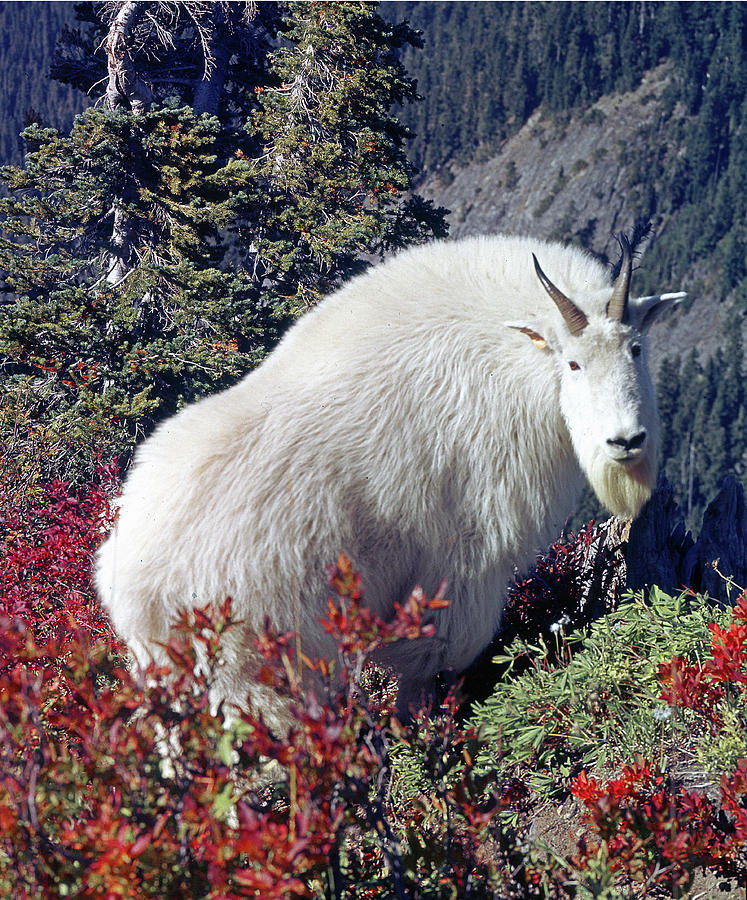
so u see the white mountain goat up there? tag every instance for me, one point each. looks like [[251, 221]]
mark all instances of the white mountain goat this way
[[432, 419]]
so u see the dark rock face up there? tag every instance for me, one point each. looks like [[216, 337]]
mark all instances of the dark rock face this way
[[661, 551], [658, 545], [722, 544]]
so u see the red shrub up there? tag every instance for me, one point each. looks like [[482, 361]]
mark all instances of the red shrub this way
[[46, 555], [653, 829], [119, 787], [703, 686], [576, 579]]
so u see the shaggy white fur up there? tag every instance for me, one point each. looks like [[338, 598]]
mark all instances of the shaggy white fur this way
[[409, 422]]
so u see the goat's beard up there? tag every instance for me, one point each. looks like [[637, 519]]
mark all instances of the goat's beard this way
[[623, 489]]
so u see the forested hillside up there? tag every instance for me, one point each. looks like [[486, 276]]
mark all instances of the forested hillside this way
[[566, 120], [573, 120], [28, 33], [489, 66]]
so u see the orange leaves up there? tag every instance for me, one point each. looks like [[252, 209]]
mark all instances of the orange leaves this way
[[344, 580], [225, 347], [359, 630]]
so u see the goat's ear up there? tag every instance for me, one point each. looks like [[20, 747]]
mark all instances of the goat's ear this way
[[530, 331], [642, 312]]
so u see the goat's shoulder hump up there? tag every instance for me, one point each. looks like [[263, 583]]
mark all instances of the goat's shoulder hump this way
[[492, 272]]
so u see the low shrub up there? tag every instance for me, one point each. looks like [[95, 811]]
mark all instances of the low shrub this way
[[715, 692], [591, 698], [46, 550], [576, 580], [659, 834], [113, 785], [122, 784], [651, 699]]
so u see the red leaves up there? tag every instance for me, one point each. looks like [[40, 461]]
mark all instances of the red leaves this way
[[575, 576], [586, 789], [119, 805], [165, 802], [47, 553], [734, 801], [83, 801], [701, 686], [358, 629], [283, 850], [343, 580], [653, 829], [729, 653]]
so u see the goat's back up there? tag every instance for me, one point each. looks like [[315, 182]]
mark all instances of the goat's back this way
[[399, 422]]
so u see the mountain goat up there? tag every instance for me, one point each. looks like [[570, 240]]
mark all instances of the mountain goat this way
[[432, 419]]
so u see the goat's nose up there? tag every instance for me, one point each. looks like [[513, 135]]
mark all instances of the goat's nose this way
[[628, 443]]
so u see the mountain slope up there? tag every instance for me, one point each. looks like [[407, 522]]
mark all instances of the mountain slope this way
[[576, 178], [28, 33]]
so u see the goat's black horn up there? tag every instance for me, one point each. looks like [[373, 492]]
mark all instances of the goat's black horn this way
[[574, 318], [618, 302]]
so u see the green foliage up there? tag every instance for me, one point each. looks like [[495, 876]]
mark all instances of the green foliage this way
[[594, 697], [154, 257], [722, 751], [646, 822], [121, 355], [334, 172]]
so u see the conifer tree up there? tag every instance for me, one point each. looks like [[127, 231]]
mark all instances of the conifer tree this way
[[735, 402], [334, 175], [225, 182], [667, 401], [714, 450], [677, 423], [703, 416]]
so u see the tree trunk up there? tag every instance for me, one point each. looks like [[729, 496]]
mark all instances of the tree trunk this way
[[124, 88], [209, 89]]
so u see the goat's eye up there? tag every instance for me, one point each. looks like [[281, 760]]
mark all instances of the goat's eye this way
[[575, 367], [636, 349]]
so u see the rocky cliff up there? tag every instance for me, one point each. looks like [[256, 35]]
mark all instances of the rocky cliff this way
[[577, 178]]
